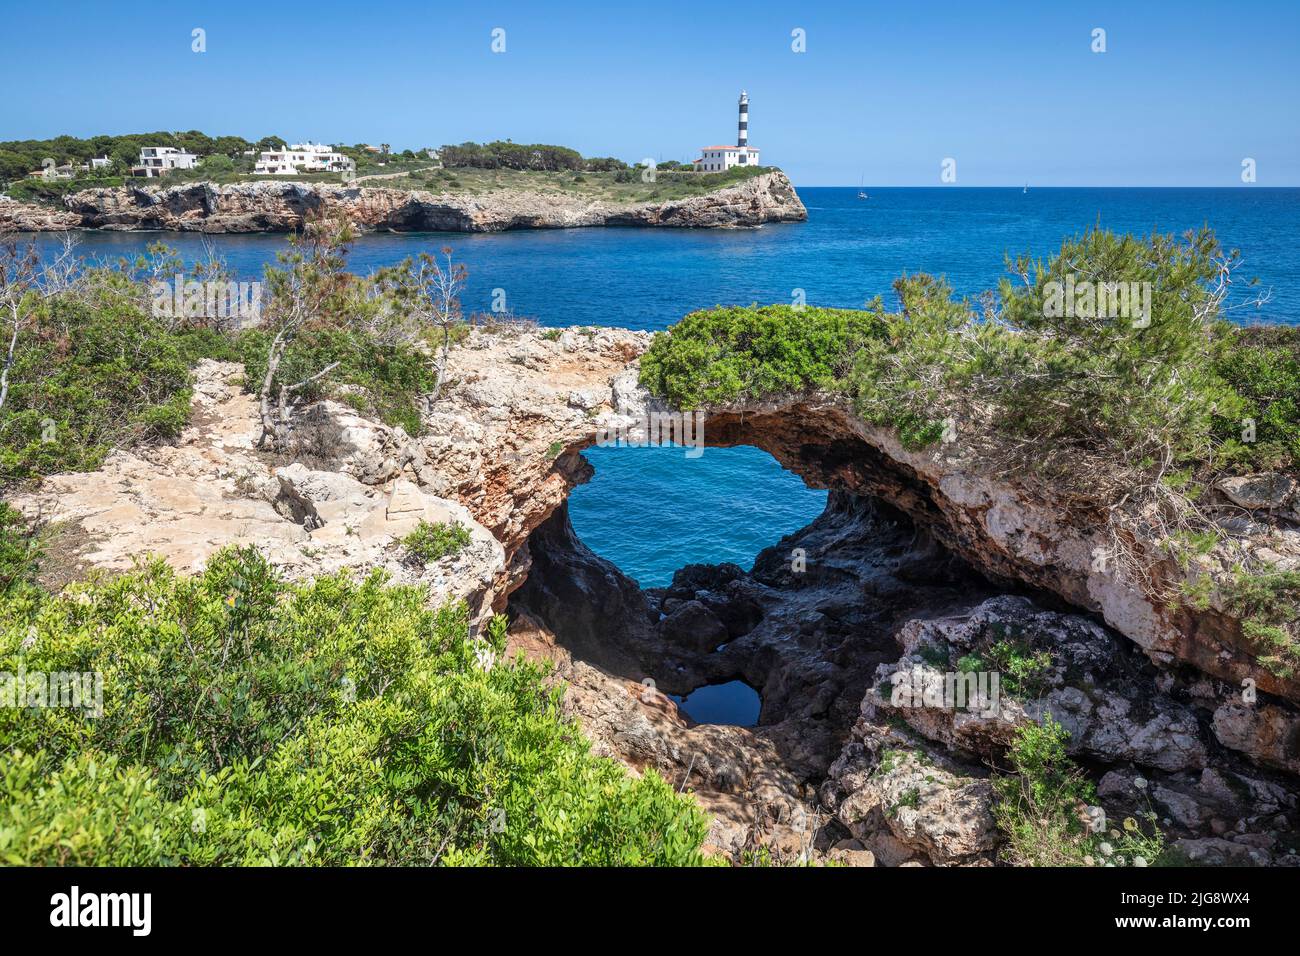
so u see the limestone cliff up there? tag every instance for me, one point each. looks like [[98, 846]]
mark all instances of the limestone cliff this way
[[282, 206], [921, 557]]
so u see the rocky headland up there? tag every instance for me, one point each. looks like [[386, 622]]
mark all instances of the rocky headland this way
[[283, 207], [921, 558]]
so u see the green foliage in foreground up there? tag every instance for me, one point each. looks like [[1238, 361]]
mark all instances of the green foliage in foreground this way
[[430, 542], [1268, 605], [1041, 808], [249, 721], [1263, 368]]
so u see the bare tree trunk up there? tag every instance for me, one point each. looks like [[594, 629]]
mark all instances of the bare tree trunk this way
[[441, 364], [283, 427], [273, 357], [9, 361]]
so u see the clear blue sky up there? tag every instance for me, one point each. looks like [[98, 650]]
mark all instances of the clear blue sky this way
[[885, 91]]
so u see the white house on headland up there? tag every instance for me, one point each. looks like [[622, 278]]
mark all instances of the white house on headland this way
[[718, 159], [303, 158], [159, 160]]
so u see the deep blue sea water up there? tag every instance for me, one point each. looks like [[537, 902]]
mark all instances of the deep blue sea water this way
[[653, 510]]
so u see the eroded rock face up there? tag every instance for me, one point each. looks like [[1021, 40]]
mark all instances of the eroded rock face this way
[[27, 217], [1162, 736], [1270, 491], [906, 808], [1022, 534], [809, 640], [1088, 679], [1013, 534], [283, 206], [213, 489]]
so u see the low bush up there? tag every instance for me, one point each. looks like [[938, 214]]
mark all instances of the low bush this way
[[1043, 804], [718, 355], [431, 542], [93, 376], [1262, 365], [390, 377], [1146, 392], [19, 554]]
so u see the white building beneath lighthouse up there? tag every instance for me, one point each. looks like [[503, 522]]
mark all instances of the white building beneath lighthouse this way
[[718, 159]]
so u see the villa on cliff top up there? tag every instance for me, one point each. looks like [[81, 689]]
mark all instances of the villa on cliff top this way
[[718, 159], [303, 158], [157, 161]]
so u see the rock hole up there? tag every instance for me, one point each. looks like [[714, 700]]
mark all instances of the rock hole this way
[[734, 703]]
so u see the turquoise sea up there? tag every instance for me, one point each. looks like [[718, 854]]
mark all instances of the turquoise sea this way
[[653, 510]]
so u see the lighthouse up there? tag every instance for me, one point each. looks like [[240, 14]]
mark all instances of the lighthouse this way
[[718, 159]]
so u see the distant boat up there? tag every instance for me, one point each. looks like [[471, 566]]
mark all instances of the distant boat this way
[[1026, 189], [862, 195]]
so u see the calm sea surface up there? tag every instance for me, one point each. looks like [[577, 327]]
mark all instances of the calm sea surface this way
[[653, 510]]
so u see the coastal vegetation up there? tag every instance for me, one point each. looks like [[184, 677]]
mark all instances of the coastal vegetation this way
[[432, 542], [467, 168], [622, 186], [1172, 393], [250, 720], [1043, 809], [93, 366], [243, 720]]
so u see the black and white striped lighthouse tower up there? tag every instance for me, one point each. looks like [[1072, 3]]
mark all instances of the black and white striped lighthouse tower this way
[[742, 133]]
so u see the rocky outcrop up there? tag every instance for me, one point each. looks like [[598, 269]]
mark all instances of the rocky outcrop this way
[[923, 563], [1156, 733], [27, 217], [570, 391], [283, 206], [1021, 532], [807, 639], [1083, 675], [213, 489]]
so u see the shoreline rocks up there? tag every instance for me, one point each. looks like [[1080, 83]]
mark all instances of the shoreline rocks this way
[[283, 206]]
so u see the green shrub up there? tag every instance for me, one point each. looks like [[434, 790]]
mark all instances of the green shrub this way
[[1132, 387], [1263, 366], [1268, 606], [431, 542], [251, 721], [19, 553], [1040, 809], [1023, 670], [392, 376], [1152, 394], [92, 376]]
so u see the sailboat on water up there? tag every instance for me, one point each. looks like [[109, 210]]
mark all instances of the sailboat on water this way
[[862, 193]]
